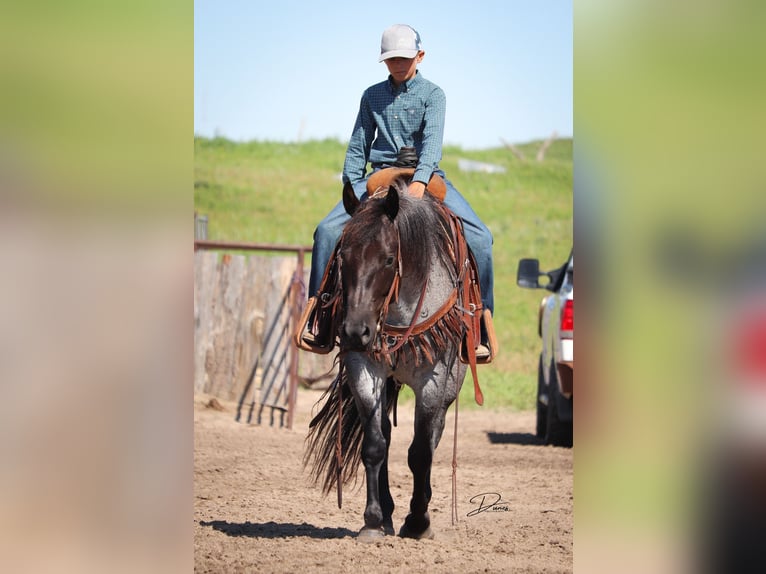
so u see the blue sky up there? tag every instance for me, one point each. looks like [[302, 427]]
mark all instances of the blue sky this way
[[289, 70]]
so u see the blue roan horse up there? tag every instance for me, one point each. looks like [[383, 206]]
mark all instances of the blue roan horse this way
[[399, 276]]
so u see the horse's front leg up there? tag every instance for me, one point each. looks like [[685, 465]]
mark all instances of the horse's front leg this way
[[380, 505], [429, 425], [432, 402], [370, 395]]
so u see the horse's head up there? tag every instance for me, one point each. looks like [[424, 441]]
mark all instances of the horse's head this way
[[370, 265]]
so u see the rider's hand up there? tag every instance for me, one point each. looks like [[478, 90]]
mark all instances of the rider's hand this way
[[416, 189]]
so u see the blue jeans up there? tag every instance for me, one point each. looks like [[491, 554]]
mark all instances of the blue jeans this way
[[477, 235]]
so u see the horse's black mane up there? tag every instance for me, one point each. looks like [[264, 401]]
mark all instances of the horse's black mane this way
[[424, 231]]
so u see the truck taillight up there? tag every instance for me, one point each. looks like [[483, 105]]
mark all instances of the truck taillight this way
[[748, 348], [567, 316]]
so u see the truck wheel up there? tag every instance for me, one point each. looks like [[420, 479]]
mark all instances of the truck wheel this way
[[558, 433], [542, 408]]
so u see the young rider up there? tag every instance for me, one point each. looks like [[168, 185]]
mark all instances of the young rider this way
[[404, 111]]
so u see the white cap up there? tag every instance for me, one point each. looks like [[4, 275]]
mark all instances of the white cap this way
[[399, 41]]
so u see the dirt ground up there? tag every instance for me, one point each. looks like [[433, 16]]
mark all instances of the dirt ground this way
[[255, 510]]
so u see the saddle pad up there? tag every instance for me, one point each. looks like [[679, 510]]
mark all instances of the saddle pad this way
[[384, 177]]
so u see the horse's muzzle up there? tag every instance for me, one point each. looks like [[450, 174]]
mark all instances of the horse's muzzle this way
[[357, 335]]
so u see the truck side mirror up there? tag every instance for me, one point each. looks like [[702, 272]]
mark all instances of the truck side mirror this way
[[528, 274]]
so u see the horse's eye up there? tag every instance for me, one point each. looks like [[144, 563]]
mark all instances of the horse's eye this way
[[390, 261]]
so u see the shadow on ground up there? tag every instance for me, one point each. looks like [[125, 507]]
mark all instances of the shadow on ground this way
[[276, 530], [522, 438]]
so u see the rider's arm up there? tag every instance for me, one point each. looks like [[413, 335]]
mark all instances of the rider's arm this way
[[358, 151], [433, 133]]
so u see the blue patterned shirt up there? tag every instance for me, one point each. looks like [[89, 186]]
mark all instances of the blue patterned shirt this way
[[390, 118]]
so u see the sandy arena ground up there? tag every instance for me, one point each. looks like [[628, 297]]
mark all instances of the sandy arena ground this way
[[255, 510]]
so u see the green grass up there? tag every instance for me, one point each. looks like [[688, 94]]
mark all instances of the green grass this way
[[277, 193]]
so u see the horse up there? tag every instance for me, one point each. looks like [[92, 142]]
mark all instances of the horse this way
[[399, 269]]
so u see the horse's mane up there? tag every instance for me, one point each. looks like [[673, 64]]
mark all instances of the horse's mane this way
[[423, 227]]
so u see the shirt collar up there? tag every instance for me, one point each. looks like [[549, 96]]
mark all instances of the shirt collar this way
[[406, 86]]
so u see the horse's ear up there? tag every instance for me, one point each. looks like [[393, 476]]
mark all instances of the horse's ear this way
[[392, 203], [350, 200]]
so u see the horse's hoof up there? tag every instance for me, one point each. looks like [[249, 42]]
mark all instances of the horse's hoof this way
[[368, 534], [406, 532], [388, 528]]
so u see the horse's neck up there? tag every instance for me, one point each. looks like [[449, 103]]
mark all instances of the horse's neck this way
[[441, 282]]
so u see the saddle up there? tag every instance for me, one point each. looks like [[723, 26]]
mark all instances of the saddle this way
[[383, 178]]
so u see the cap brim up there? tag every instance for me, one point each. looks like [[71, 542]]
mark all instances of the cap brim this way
[[398, 54]]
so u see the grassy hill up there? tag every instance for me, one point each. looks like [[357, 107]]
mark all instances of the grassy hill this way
[[276, 193]]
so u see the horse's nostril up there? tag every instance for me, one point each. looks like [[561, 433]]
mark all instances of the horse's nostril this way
[[357, 334]]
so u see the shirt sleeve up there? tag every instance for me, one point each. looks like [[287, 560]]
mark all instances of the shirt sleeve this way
[[433, 134], [358, 151]]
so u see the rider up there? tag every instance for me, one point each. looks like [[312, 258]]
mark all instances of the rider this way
[[404, 111]]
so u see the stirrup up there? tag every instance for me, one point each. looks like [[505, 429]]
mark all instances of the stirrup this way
[[308, 340], [487, 348]]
